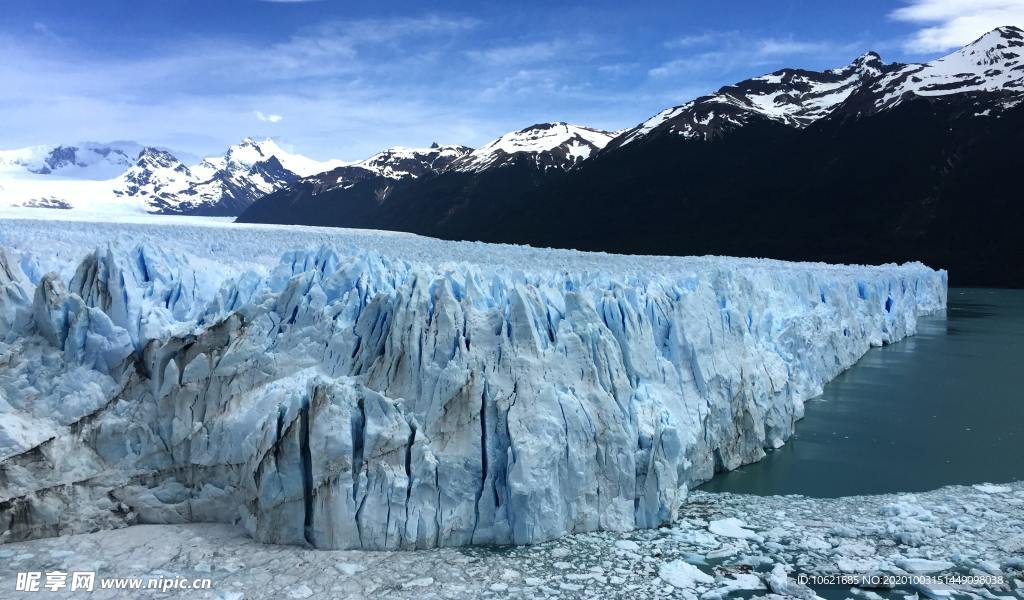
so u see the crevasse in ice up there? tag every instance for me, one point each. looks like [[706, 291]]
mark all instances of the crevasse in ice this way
[[354, 397]]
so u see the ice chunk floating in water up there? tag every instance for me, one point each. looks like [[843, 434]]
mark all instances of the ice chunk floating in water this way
[[387, 391]]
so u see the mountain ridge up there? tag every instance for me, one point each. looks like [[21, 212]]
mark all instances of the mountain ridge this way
[[130, 176], [754, 169], [745, 170]]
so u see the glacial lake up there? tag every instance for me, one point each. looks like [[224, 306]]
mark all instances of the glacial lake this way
[[943, 407]]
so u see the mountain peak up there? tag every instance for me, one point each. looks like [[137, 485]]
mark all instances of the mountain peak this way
[[157, 176], [549, 145], [399, 162], [251, 147], [251, 150], [1009, 32], [155, 159], [992, 64], [868, 64], [869, 58], [544, 126], [995, 45], [150, 153], [555, 129], [997, 48]]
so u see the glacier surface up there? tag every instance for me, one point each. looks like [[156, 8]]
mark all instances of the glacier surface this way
[[348, 389]]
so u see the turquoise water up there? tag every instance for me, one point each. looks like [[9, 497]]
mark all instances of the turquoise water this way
[[943, 407]]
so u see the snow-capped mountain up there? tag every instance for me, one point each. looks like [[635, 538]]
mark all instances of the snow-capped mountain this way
[[221, 185], [394, 164], [795, 97], [993, 64], [231, 190], [400, 162], [84, 160], [157, 175], [545, 145], [914, 155], [391, 165], [396, 188], [128, 176], [154, 180], [241, 157], [228, 184], [869, 162]]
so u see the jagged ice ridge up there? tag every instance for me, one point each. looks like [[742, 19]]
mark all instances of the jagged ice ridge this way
[[351, 389]]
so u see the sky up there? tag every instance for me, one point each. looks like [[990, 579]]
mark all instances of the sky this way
[[344, 79]]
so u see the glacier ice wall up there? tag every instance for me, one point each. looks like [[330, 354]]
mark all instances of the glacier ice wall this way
[[376, 396]]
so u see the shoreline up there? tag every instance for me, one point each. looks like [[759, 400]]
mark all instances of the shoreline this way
[[737, 542]]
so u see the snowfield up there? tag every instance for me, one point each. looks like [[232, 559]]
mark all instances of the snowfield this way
[[346, 389]]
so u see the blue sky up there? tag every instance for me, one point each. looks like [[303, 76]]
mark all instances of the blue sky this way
[[340, 79]]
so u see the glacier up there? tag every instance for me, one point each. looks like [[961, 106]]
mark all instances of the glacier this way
[[346, 389]]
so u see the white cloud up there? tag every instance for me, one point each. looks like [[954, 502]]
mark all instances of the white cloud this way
[[268, 118], [690, 65], [346, 88], [696, 39], [732, 50], [790, 47], [520, 54], [563, 50], [350, 87], [947, 24], [44, 31]]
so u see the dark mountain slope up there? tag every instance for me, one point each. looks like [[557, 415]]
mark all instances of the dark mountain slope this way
[[441, 206], [926, 180], [475, 186], [867, 163]]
